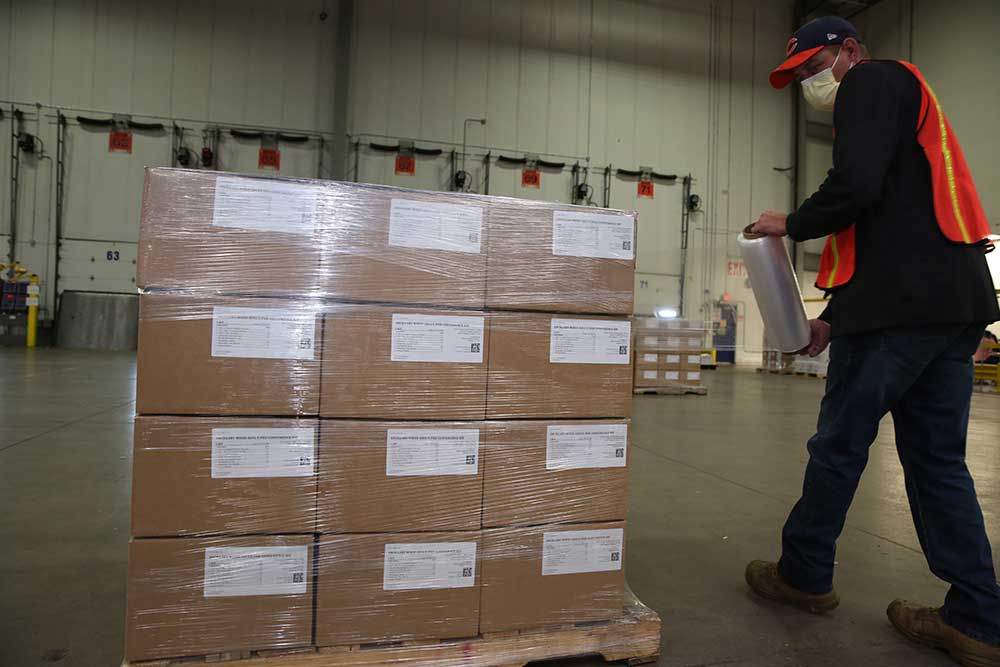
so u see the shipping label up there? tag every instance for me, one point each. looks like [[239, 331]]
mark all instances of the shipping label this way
[[241, 571], [672, 375], [437, 338], [429, 565], [673, 358], [575, 446], [650, 358], [589, 341], [431, 451], [265, 205], [435, 226], [263, 452], [586, 234], [263, 333], [649, 375], [576, 551]]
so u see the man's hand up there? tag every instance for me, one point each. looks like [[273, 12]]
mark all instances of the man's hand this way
[[771, 223], [819, 338]]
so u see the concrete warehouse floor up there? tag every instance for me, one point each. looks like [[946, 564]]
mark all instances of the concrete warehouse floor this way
[[712, 480]]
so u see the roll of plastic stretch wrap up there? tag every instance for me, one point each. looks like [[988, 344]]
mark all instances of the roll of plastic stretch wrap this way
[[776, 290]]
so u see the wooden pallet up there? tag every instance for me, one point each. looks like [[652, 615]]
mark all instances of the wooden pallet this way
[[672, 390], [635, 638]]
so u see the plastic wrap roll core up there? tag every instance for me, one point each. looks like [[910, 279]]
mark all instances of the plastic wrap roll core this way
[[775, 289]]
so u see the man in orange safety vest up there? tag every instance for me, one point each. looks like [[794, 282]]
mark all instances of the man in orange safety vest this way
[[911, 295]]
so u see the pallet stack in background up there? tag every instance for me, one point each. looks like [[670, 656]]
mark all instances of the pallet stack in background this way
[[368, 414], [668, 355], [779, 363]]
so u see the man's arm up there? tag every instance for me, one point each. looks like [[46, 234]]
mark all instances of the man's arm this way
[[866, 119]]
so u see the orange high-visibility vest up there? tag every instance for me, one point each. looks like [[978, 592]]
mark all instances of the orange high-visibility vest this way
[[959, 212]]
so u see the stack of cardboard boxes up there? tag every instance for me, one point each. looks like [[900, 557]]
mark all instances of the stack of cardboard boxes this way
[[370, 414], [668, 352], [775, 361]]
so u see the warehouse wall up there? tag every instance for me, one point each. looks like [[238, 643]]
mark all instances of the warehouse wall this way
[[953, 44], [675, 85]]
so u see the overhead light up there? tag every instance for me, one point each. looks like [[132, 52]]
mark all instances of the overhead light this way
[[666, 313]]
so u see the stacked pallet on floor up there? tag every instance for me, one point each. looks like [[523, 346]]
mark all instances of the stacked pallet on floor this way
[[372, 415], [779, 363], [668, 356]]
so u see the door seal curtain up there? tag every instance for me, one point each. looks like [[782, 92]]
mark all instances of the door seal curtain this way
[[637, 174], [109, 122], [521, 160], [258, 134], [388, 148]]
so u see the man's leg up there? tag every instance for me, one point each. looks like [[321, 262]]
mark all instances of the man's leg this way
[[931, 423], [866, 376]]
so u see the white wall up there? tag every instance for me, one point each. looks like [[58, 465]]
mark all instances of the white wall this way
[[677, 85]]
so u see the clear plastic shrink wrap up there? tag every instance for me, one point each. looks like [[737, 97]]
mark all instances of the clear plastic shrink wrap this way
[[348, 436]]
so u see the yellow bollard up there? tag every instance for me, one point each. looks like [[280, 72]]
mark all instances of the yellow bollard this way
[[32, 302]]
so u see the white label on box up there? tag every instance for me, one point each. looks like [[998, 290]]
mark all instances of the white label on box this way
[[650, 341], [264, 205], [575, 551], [589, 341], [263, 333], [694, 343], [435, 226], [649, 358], [673, 358], [431, 451], [649, 375], [438, 338], [694, 359], [674, 342], [263, 452], [586, 446], [672, 375], [429, 565], [694, 376], [240, 571], [586, 234]]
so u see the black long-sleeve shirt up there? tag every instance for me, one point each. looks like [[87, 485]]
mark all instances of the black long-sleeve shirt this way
[[907, 273]]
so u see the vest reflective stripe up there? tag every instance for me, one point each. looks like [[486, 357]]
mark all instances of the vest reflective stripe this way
[[957, 208]]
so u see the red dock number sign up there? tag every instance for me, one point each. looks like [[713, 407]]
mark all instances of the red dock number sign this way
[[530, 178], [119, 142], [645, 189], [406, 164], [269, 158]]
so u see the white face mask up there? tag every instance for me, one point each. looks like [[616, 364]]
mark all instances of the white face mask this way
[[820, 90]]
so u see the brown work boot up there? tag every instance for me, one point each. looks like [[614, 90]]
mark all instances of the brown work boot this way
[[765, 580], [925, 625]]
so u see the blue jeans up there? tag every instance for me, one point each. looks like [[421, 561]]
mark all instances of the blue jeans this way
[[924, 378]]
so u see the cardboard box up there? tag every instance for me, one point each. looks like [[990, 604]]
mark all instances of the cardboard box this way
[[556, 257], [217, 355], [552, 574], [671, 361], [541, 472], [235, 475], [672, 376], [400, 476], [650, 360], [691, 360], [545, 366], [403, 363], [646, 377], [280, 236], [398, 586], [692, 378], [192, 238], [194, 596]]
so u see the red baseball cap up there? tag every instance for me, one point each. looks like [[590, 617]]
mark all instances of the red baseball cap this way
[[807, 42]]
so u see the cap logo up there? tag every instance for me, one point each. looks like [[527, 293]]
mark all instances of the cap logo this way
[[792, 43], [830, 36]]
